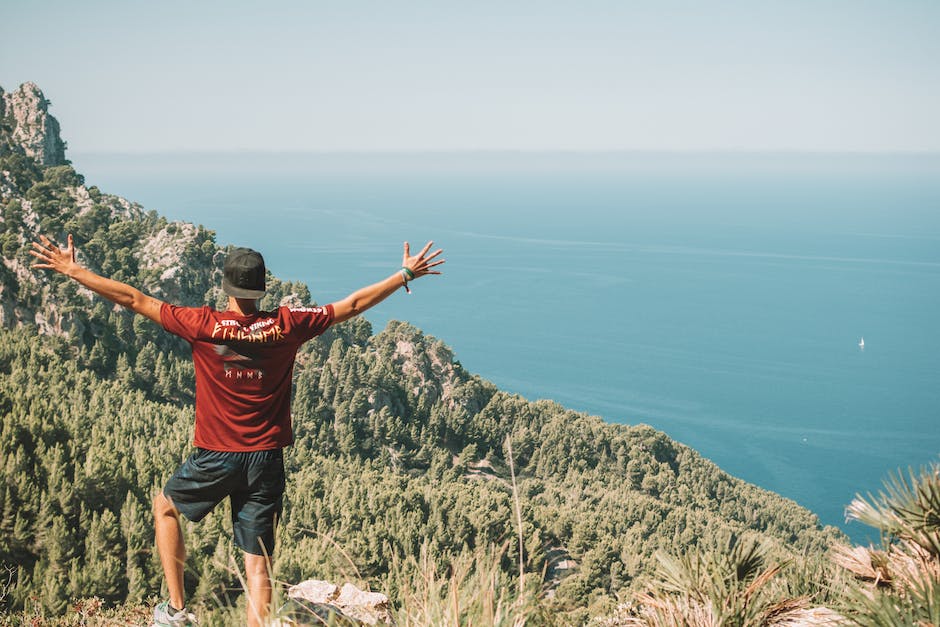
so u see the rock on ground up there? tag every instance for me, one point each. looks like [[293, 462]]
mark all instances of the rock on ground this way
[[315, 602]]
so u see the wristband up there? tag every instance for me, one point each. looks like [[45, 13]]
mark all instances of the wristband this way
[[404, 279], [408, 273]]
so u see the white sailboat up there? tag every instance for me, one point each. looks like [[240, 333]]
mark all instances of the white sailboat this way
[[861, 343]]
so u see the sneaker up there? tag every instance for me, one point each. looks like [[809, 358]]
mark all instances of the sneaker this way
[[163, 616]]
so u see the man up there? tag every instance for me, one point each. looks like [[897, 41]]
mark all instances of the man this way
[[243, 360]]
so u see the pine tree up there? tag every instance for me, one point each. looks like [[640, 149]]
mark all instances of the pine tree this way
[[105, 559], [137, 534]]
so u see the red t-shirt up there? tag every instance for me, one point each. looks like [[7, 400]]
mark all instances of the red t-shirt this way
[[244, 366]]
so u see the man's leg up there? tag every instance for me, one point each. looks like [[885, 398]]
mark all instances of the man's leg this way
[[255, 511], [258, 578], [170, 545]]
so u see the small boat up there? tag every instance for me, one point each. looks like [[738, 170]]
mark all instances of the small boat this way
[[861, 343]]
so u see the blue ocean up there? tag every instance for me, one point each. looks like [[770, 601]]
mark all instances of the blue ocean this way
[[720, 298]]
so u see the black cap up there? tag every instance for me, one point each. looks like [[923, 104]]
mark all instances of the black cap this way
[[243, 275]]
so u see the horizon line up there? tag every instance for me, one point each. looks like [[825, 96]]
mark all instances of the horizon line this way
[[516, 152]]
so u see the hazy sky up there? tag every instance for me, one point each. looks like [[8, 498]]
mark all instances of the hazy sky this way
[[407, 75]]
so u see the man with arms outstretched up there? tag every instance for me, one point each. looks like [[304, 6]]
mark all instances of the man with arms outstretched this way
[[243, 360]]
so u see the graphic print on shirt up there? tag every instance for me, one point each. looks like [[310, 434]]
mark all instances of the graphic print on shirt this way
[[238, 366], [242, 366], [263, 331]]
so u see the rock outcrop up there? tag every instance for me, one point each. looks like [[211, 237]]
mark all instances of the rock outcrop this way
[[29, 127], [177, 258], [428, 365]]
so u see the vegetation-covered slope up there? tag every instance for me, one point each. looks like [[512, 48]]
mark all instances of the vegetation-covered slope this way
[[398, 449]]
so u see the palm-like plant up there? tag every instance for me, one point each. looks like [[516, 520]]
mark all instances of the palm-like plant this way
[[734, 587], [900, 583]]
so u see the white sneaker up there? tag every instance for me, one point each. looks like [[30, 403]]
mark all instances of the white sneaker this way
[[163, 617]]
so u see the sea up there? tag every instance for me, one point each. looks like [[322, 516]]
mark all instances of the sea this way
[[721, 298]]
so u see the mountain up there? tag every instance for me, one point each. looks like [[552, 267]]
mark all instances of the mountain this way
[[401, 455]]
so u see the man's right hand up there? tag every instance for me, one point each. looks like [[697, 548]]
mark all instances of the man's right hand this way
[[51, 257], [62, 260]]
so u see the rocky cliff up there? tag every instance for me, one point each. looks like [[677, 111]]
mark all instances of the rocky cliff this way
[[30, 128]]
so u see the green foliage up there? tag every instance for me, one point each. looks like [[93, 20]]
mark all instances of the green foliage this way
[[280, 292], [51, 195], [736, 586], [898, 584], [24, 172], [908, 508], [731, 586], [112, 249]]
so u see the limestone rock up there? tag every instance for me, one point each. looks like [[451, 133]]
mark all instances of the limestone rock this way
[[176, 275], [25, 115], [314, 590], [315, 602], [369, 607], [7, 186]]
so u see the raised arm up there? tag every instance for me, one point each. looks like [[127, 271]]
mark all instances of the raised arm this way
[[412, 267], [62, 260]]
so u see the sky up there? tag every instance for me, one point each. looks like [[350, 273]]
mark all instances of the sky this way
[[408, 75]]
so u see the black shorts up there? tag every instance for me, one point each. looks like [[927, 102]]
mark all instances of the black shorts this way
[[253, 481]]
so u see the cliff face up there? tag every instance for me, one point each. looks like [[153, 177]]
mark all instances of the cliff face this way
[[29, 127], [40, 193]]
